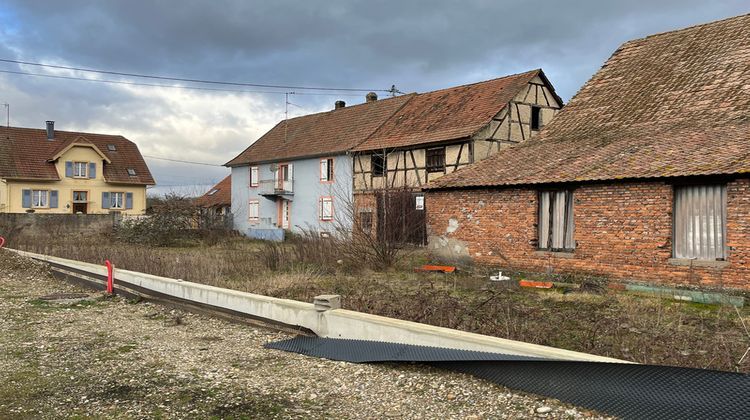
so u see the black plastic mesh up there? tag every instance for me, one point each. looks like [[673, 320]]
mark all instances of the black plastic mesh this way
[[624, 390]]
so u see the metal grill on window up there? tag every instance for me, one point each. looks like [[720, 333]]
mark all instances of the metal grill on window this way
[[700, 222], [556, 225]]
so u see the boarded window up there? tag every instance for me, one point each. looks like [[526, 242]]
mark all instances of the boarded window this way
[[254, 210], [377, 163], [436, 159], [326, 208], [700, 222], [326, 170], [556, 225], [253, 176], [536, 118]]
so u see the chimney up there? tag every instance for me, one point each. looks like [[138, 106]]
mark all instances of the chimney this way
[[371, 97], [339, 104], [50, 130]]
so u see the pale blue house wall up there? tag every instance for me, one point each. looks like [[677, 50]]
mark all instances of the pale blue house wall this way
[[304, 202]]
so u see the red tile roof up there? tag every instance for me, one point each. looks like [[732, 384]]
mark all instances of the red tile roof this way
[[448, 114], [412, 119], [221, 197], [669, 105], [320, 134], [25, 153]]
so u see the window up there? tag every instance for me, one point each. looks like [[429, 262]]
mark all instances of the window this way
[[131, 172], [117, 200], [111, 147], [39, 198], [326, 170], [80, 196], [212, 192], [556, 226], [365, 221], [700, 222], [377, 164], [253, 176], [254, 211], [79, 169], [436, 159], [326, 208], [536, 118]]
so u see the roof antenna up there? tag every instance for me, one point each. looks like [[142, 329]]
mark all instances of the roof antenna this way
[[393, 91]]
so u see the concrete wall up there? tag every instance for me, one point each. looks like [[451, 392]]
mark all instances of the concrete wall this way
[[622, 230], [42, 225], [308, 189], [11, 191]]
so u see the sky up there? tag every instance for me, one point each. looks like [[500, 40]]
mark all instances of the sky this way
[[417, 46]]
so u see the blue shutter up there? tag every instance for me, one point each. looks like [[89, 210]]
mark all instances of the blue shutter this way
[[69, 169], [92, 170], [26, 199], [53, 199], [105, 200], [128, 201]]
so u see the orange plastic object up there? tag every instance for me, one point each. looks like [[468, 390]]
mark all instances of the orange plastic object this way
[[536, 284], [441, 268]]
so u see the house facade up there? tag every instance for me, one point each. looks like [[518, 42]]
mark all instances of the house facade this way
[[439, 132], [51, 171], [217, 200], [651, 188]]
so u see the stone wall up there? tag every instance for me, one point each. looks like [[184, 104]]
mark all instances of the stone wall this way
[[623, 231], [40, 225]]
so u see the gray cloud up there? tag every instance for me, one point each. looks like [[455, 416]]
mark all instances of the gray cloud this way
[[418, 45]]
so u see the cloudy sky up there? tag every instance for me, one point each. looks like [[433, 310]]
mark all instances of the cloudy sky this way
[[366, 44]]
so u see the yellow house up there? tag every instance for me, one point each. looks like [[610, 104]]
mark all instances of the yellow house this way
[[52, 171]]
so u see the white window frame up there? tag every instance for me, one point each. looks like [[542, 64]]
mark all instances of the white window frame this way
[[254, 176], [132, 172], [556, 221], [114, 202], [253, 210], [326, 209], [77, 166], [39, 199], [326, 170]]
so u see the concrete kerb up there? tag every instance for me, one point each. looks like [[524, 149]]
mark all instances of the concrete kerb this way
[[334, 323]]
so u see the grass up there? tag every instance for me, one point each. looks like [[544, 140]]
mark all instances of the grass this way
[[600, 321]]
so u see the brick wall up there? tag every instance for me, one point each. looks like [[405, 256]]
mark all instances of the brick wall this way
[[623, 231]]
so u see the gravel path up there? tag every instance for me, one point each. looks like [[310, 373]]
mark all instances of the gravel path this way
[[107, 357]]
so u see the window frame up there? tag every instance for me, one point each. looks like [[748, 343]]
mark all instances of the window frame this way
[[254, 171], [85, 166], [250, 204], [73, 196], [360, 221], [383, 165], [329, 176], [45, 205], [132, 172], [322, 216], [535, 110], [676, 213], [568, 219], [112, 195], [429, 166]]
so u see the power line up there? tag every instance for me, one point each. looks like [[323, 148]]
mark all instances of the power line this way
[[183, 161], [124, 82], [180, 79]]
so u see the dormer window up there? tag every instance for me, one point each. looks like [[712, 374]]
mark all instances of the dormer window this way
[[111, 147], [131, 172], [80, 169]]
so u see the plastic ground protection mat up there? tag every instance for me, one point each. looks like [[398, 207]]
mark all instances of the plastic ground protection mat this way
[[625, 390]]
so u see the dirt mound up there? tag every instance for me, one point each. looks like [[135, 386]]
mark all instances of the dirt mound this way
[[10, 261]]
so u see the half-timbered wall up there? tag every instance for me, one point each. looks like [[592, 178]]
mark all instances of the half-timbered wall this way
[[407, 167]]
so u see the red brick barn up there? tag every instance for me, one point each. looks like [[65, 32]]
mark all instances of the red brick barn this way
[[644, 176]]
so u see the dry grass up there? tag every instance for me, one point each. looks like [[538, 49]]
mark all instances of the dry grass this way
[[615, 324]]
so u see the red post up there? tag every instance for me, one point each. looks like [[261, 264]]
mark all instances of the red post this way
[[2, 241], [110, 276]]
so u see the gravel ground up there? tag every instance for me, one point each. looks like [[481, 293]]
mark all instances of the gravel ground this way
[[108, 357]]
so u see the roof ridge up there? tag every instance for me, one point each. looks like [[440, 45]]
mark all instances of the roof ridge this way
[[81, 133], [684, 29], [537, 70]]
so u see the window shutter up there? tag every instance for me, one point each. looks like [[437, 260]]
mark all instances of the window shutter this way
[[92, 170], [53, 199], [129, 201], [26, 199], [543, 225], [324, 170], [105, 200], [69, 169]]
